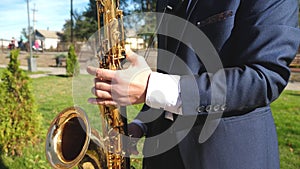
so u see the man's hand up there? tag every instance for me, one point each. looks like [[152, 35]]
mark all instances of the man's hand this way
[[122, 87]]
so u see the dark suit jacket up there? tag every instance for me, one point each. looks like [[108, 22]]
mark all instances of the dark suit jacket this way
[[255, 40]]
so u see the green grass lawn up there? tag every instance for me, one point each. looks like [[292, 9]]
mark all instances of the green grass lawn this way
[[53, 94], [287, 118]]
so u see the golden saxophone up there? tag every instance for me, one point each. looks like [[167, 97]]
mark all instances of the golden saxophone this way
[[70, 140]]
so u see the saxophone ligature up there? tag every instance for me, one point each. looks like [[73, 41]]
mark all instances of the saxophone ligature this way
[[70, 140]]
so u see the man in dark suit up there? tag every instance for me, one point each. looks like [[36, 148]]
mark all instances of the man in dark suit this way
[[225, 120]]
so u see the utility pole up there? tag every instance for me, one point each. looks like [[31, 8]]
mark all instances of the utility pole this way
[[2, 48], [71, 13], [33, 21], [31, 61]]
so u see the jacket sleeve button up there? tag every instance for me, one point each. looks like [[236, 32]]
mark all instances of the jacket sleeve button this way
[[200, 109], [223, 107], [216, 108], [208, 108]]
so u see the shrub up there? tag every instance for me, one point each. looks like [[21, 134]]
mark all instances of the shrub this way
[[72, 65], [19, 120]]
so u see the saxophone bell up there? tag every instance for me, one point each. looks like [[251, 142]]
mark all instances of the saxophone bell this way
[[71, 142]]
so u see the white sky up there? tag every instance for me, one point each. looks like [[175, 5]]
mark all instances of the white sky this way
[[51, 14]]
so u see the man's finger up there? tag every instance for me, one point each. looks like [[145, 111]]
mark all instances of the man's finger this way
[[101, 73], [101, 94], [102, 85], [99, 101]]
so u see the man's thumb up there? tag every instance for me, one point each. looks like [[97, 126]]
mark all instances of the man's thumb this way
[[131, 56]]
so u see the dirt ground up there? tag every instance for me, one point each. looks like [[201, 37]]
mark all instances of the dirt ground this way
[[44, 59], [47, 59]]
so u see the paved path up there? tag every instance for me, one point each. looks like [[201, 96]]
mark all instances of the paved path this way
[[46, 71], [293, 86], [62, 71]]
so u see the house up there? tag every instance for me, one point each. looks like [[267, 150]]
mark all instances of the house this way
[[8, 44], [48, 39], [135, 42]]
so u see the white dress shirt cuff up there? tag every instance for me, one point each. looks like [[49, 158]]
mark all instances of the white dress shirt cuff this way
[[163, 92]]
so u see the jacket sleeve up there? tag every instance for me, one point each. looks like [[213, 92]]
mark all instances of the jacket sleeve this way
[[263, 42]]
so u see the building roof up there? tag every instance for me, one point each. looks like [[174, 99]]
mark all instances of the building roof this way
[[49, 34]]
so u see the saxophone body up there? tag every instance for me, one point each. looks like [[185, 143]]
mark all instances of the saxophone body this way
[[70, 140]]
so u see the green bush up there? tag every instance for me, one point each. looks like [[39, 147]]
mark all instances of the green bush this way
[[19, 120], [72, 64]]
